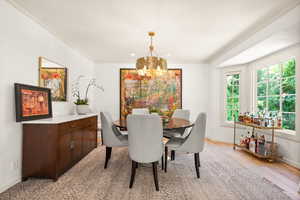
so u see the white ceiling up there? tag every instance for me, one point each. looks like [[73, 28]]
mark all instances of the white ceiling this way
[[189, 31]]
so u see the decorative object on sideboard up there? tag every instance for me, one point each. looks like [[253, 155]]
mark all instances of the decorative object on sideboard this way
[[32, 102], [53, 76], [82, 103]]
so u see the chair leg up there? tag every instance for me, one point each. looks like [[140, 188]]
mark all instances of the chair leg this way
[[107, 156], [133, 169], [166, 158], [196, 156], [101, 136], [199, 164], [172, 155], [154, 167], [162, 162]]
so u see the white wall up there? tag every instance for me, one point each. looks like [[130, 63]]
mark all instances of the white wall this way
[[194, 83], [289, 145], [22, 41]]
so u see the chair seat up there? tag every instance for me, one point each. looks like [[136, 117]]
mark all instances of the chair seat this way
[[123, 139], [124, 132], [171, 134], [175, 143]]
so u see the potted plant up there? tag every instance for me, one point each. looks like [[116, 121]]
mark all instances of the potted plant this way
[[82, 104]]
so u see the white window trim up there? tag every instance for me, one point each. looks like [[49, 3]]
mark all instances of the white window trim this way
[[286, 132]]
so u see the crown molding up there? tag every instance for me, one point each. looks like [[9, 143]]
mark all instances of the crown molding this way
[[252, 35]]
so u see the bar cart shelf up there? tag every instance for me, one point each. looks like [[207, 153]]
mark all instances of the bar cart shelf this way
[[273, 154]]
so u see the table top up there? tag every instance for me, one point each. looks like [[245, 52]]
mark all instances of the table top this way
[[174, 123]]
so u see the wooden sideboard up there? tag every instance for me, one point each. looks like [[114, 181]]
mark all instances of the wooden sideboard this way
[[52, 146]]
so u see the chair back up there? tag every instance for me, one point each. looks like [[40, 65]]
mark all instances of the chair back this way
[[182, 114], [194, 142], [140, 111], [145, 134], [109, 133]]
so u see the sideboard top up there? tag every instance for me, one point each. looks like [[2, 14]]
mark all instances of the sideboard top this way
[[59, 119]]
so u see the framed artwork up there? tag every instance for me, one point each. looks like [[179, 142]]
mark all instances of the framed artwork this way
[[54, 77], [32, 102], [161, 94]]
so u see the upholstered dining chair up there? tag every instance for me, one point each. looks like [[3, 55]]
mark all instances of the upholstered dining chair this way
[[112, 137], [145, 133], [193, 143], [140, 111], [179, 133]]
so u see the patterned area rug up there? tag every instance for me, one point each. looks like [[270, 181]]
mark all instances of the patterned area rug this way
[[222, 178]]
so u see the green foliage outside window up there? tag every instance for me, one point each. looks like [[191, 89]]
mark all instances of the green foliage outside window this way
[[232, 97], [276, 91]]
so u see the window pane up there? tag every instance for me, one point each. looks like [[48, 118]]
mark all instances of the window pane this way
[[229, 115], [289, 85], [261, 89], [229, 101], [230, 106], [261, 103], [274, 72], [289, 68], [288, 121], [288, 104], [229, 92], [229, 80], [236, 105], [236, 76], [235, 114], [236, 91], [274, 88], [233, 79], [274, 103], [262, 74], [236, 79], [235, 100]]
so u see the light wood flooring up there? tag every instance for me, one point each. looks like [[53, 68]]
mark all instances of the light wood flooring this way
[[283, 175]]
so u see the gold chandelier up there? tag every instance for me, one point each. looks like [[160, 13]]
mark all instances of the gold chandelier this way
[[151, 65]]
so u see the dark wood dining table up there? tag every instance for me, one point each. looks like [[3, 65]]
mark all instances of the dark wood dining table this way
[[172, 124]]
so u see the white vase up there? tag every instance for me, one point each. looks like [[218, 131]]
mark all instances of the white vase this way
[[82, 109]]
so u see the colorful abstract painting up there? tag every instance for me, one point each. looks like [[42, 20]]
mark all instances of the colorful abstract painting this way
[[56, 80], [161, 94], [34, 102]]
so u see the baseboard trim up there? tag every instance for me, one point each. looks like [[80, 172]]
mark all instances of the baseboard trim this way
[[9, 184], [284, 160], [291, 163]]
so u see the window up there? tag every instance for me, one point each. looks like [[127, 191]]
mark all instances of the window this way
[[232, 106], [276, 92]]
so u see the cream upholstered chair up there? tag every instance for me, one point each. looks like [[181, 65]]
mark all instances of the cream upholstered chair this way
[[193, 143], [140, 111], [112, 137], [181, 114], [145, 133]]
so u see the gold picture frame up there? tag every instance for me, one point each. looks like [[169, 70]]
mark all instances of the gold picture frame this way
[[53, 76]]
